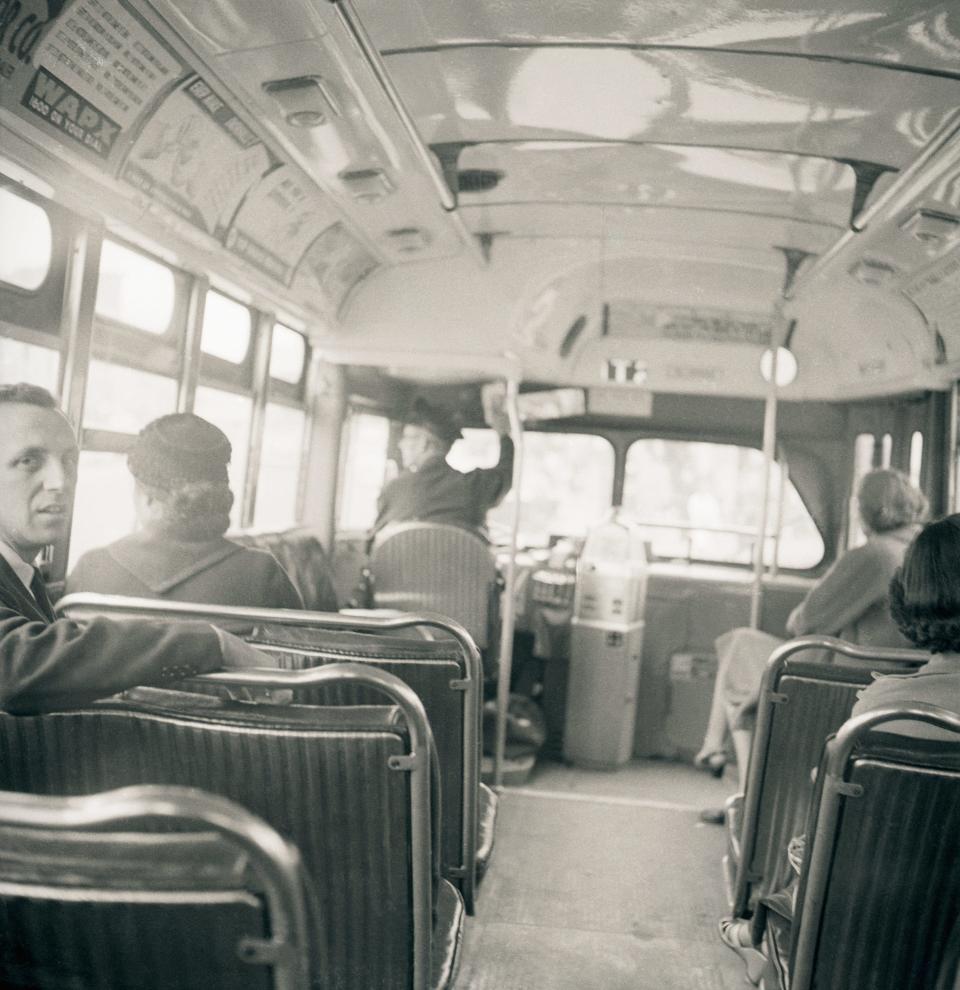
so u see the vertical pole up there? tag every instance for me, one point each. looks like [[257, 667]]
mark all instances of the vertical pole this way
[[261, 385], [781, 495], [769, 455], [193, 332], [952, 465], [320, 473], [76, 338], [509, 604]]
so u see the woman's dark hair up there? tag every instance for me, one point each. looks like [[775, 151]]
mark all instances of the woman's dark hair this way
[[925, 591], [192, 511]]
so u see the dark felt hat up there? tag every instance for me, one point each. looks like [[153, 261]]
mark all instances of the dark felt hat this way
[[179, 449], [439, 422]]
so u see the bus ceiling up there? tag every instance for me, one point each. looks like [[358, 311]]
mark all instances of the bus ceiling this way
[[442, 186]]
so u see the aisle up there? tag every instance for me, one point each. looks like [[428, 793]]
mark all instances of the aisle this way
[[603, 882]]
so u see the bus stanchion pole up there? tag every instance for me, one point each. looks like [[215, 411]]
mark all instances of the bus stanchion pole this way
[[509, 604], [769, 457]]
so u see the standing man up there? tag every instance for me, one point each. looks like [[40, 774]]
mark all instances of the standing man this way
[[48, 663], [428, 489]]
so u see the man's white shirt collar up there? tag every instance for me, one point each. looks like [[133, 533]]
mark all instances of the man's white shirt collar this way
[[21, 568]]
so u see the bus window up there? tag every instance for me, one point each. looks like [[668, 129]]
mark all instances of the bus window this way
[[278, 483], [226, 329], [363, 470], [288, 351], [125, 399], [25, 258], [916, 457], [863, 451], [103, 506], [135, 290], [566, 489], [232, 413], [701, 501], [23, 362], [886, 450]]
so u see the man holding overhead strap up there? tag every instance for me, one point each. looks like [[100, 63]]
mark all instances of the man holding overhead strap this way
[[428, 489], [48, 663]]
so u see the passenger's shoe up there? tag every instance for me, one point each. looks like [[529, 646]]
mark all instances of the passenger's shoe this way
[[712, 762], [736, 935], [712, 816]]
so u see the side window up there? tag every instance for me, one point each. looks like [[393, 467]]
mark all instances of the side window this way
[[284, 430], [363, 467], [24, 259], [864, 448], [131, 380], [24, 362], [701, 501]]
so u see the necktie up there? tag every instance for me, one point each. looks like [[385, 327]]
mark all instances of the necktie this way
[[39, 590]]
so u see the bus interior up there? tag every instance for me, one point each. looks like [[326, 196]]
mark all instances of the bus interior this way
[[705, 258]]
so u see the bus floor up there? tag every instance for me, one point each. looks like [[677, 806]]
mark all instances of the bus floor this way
[[603, 881]]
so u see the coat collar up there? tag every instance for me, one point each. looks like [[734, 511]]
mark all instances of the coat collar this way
[[16, 596]]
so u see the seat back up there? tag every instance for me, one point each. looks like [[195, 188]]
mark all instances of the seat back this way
[[880, 889], [100, 910], [801, 704], [348, 786], [419, 566], [448, 691], [337, 633], [302, 556]]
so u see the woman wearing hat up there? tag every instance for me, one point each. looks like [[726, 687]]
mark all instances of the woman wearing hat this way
[[183, 500]]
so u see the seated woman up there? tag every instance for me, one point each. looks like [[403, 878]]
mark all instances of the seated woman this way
[[925, 605], [183, 499], [849, 601]]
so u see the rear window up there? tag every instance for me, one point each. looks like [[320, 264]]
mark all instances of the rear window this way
[[701, 501]]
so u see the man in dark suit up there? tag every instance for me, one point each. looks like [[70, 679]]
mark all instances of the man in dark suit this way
[[48, 663], [428, 489]]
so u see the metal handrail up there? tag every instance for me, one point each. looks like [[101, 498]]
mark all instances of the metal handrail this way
[[761, 736], [836, 768], [276, 861], [85, 605]]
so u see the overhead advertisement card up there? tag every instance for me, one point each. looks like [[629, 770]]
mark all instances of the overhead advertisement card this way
[[278, 220], [197, 157], [88, 70], [337, 260]]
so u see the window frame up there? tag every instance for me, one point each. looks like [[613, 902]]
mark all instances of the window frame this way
[[217, 372], [40, 309]]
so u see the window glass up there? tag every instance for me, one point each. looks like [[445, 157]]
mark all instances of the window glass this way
[[21, 362], [886, 450], [232, 413], [475, 449], [26, 241], [567, 487], [135, 290], [126, 399], [364, 463], [276, 506], [916, 457], [702, 501], [226, 328], [287, 351], [103, 507], [863, 451]]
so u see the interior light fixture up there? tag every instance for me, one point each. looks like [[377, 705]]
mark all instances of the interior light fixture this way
[[306, 101], [408, 240], [787, 366], [873, 271], [931, 228], [366, 184]]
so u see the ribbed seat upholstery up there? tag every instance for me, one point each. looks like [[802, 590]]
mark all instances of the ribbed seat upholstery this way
[[814, 700], [303, 558], [91, 910], [419, 566], [803, 702], [321, 777], [880, 890], [435, 671]]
